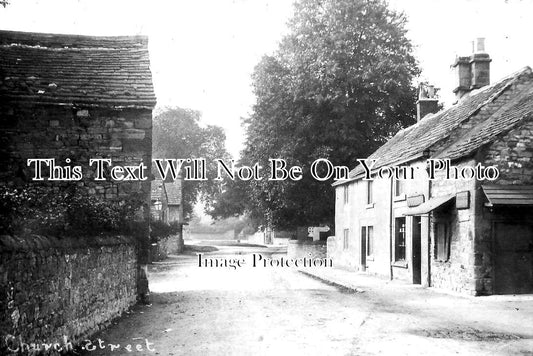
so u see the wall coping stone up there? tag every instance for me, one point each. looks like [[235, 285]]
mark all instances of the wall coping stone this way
[[39, 242]]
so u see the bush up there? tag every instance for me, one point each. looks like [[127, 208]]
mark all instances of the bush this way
[[160, 230], [61, 211]]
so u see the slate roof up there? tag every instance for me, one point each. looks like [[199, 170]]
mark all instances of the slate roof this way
[[76, 70], [172, 191], [443, 134]]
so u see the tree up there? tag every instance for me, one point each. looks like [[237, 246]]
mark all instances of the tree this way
[[339, 85], [178, 134]]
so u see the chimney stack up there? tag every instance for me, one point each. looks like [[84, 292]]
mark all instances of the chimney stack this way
[[428, 102], [472, 72]]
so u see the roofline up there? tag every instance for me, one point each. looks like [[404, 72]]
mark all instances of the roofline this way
[[526, 70], [100, 103], [57, 37], [360, 176]]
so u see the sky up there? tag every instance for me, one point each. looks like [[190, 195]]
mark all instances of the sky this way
[[203, 52]]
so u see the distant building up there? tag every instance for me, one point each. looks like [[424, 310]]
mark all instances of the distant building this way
[[167, 206], [166, 201], [470, 236]]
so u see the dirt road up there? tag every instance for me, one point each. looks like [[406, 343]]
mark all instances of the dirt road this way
[[280, 311]]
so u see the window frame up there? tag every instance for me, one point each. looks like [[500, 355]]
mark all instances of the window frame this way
[[400, 230], [367, 233], [369, 192], [346, 194], [399, 188], [346, 239], [442, 231]]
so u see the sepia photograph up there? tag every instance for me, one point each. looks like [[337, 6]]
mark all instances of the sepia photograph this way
[[266, 177]]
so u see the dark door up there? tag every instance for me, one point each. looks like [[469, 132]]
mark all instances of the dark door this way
[[417, 251], [513, 260]]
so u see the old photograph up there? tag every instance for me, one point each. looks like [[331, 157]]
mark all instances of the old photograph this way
[[266, 177]]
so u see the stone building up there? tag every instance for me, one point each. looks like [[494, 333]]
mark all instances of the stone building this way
[[166, 204], [75, 97], [469, 235], [72, 99]]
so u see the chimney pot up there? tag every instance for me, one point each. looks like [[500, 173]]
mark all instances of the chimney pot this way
[[480, 45], [427, 101], [472, 72]]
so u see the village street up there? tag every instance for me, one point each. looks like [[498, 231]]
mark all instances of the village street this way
[[280, 311]]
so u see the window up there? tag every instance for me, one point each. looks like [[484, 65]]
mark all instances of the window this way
[[442, 241], [345, 240], [399, 187], [369, 192], [367, 233], [346, 194], [399, 240]]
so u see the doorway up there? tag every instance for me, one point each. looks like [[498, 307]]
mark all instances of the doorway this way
[[513, 260], [417, 251]]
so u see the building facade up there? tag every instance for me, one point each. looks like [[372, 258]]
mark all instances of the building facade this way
[[467, 235], [75, 98]]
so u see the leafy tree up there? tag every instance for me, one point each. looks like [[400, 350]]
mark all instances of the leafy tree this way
[[339, 85], [177, 134]]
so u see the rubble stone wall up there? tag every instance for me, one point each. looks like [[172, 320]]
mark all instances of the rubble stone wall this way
[[458, 272], [78, 134], [54, 289]]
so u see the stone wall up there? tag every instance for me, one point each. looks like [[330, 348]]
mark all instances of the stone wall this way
[[458, 273], [169, 245], [311, 249], [79, 134], [52, 289], [61, 132], [513, 155], [200, 236]]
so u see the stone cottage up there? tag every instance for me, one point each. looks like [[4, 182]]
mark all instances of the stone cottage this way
[[468, 235], [167, 206], [71, 98], [166, 201], [77, 98]]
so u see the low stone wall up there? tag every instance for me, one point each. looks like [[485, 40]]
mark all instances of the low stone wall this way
[[311, 249], [166, 246], [62, 291], [202, 236]]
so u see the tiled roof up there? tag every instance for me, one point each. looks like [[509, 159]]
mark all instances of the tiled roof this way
[[174, 192], [429, 134], [517, 109], [76, 70]]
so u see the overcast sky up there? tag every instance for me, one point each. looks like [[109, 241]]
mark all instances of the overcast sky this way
[[203, 51]]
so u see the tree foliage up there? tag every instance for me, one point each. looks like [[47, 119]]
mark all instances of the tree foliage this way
[[177, 133], [339, 85]]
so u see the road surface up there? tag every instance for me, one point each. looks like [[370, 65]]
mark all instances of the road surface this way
[[280, 311]]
